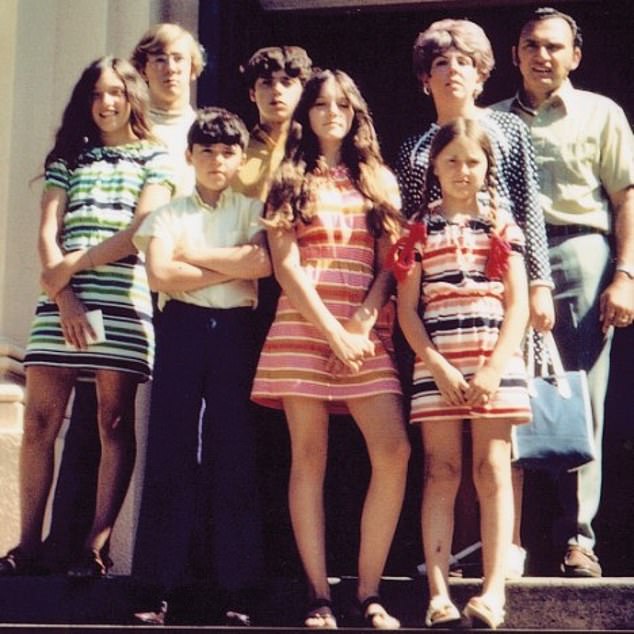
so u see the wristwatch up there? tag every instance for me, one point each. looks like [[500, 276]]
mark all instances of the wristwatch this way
[[628, 269]]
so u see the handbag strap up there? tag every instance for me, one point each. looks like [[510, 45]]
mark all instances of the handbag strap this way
[[553, 354], [551, 359], [531, 358]]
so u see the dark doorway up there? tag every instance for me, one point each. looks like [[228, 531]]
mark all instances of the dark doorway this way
[[373, 44]]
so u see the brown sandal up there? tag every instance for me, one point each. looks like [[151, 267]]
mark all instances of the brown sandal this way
[[320, 615]]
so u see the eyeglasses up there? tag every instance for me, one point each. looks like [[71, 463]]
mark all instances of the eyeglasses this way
[[164, 59]]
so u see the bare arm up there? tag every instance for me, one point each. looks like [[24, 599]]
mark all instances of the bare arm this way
[[169, 275], [486, 380], [248, 261], [449, 379], [617, 301], [350, 348], [110, 250], [74, 325]]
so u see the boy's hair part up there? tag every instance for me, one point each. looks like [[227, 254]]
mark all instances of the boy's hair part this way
[[547, 13], [157, 37], [293, 60], [217, 125]]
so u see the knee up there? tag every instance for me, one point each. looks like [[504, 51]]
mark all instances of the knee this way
[[308, 459], [490, 476], [115, 422], [442, 472], [392, 454], [39, 428]]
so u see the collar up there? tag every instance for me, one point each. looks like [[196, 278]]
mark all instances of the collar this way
[[166, 117], [260, 134], [225, 194], [563, 97]]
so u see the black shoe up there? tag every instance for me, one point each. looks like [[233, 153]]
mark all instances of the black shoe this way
[[89, 566], [19, 563]]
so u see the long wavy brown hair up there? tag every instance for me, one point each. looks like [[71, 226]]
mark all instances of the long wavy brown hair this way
[[78, 131], [294, 183]]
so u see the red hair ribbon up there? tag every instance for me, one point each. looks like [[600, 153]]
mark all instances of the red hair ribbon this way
[[400, 258], [498, 260]]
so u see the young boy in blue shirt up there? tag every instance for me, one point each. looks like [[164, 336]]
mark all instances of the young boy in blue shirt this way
[[204, 254]]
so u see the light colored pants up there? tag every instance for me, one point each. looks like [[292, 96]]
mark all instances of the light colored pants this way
[[581, 271]]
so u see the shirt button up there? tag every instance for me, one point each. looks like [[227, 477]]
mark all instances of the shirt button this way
[[212, 323]]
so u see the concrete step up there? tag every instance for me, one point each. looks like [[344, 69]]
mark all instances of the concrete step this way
[[533, 603]]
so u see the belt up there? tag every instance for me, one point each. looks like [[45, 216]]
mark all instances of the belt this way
[[558, 231]]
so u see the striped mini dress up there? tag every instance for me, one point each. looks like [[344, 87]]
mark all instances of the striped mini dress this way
[[463, 311], [338, 257], [103, 188]]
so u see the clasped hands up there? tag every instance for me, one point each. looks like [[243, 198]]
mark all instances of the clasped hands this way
[[456, 390], [351, 346]]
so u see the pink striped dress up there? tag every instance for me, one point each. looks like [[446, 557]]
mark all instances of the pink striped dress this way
[[338, 256], [462, 312]]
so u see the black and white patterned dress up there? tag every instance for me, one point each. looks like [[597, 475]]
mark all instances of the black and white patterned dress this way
[[517, 185]]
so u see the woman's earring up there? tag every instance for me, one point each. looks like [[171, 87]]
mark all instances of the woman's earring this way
[[426, 89]]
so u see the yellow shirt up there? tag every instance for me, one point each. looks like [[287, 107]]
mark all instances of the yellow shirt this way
[[263, 157], [232, 222], [585, 150]]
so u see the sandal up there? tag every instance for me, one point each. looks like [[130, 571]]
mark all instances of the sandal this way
[[376, 616], [442, 613], [19, 563], [152, 618], [484, 613], [320, 615], [89, 566]]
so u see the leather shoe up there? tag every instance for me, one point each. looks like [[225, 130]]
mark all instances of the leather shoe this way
[[580, 562]]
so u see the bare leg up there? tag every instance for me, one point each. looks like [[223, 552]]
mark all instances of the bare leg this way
[[492, 479], [380, 420], [116, 392], [442, 447], [517, 474], [308, 427], [48, 390]]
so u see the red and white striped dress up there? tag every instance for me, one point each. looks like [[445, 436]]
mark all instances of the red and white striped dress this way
[[463, 311], [338, 256]]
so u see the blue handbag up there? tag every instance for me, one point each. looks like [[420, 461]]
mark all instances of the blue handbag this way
[[560, 436]]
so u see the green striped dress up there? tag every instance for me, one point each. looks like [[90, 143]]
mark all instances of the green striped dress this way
[[103, 190]]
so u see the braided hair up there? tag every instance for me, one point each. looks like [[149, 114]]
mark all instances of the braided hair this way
[[470, 129]]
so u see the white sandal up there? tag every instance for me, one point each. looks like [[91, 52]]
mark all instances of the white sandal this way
[[442, 612]]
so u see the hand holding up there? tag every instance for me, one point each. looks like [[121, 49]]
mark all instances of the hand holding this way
[[542, 308], [483, 386], [75, 325], [450, 383]]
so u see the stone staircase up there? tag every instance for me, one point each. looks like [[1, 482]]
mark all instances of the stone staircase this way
[[56, 603]]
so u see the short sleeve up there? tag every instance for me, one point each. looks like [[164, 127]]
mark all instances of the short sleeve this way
[[391, 188], [617, 151], [159, 169], [157, 224], [57, 175], [512, 233]]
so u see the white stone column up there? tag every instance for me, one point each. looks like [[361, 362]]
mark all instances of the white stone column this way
[[44, 45]]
